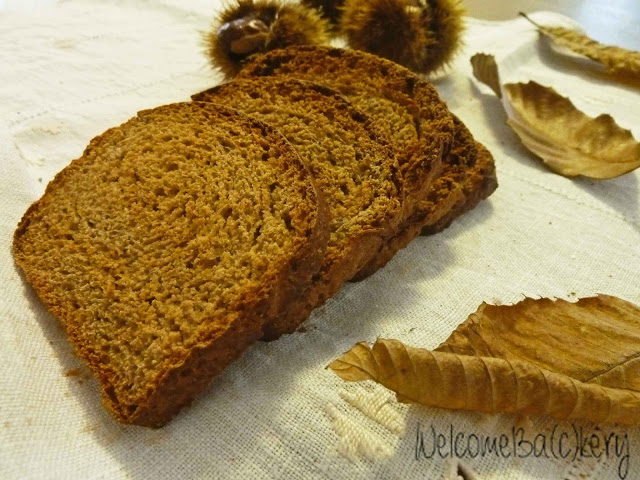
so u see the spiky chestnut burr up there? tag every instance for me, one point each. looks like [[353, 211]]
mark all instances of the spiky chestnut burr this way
[[247, 27], [329, 9], [422, 35]]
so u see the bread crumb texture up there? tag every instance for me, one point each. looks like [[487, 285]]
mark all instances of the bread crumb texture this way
[[162, 248], [443, 173], [351, 161]]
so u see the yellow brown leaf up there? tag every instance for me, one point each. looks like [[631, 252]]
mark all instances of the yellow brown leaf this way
[[538, 357], [485, 70], [594, 340], [616, 60], [568, 141]]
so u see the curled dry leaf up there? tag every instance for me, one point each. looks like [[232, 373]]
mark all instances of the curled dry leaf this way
[[614, 59], [538, 357], [485, 70], [568, 141]]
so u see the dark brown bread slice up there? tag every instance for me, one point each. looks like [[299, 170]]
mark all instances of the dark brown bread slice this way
[[444, 207], [353, 166], [480, 182], [421, 134], [467, 178], [464, 178], [166, 246]]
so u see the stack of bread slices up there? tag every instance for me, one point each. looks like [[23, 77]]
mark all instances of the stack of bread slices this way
[[195, 229]]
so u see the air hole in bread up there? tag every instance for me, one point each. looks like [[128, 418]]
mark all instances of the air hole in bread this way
[[226, 212], [286, 217]]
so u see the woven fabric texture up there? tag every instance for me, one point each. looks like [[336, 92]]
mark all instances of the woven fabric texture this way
[[69, 72]]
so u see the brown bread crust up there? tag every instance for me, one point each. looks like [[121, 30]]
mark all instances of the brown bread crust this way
[[443, 212], [464, 178], [62, 245], [480, 182], [352, 163]]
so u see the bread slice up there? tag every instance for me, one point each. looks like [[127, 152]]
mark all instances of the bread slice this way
[[479, 183], [464, 178], [467, 178], [352, 164], [444, 205], [165, 248], [421, 135]]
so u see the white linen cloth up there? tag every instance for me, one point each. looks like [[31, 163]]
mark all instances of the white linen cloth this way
[[69, 72]]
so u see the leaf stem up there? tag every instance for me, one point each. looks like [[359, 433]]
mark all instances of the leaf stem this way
[[522, 14]]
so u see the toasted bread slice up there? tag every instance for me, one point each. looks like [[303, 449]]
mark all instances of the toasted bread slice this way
[[352, 164], [166, 247]]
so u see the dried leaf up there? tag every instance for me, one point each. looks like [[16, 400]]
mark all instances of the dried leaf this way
[[614, 59], [538, 357], [485, 70], [570, 142], [549, 125], [595, 340]]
